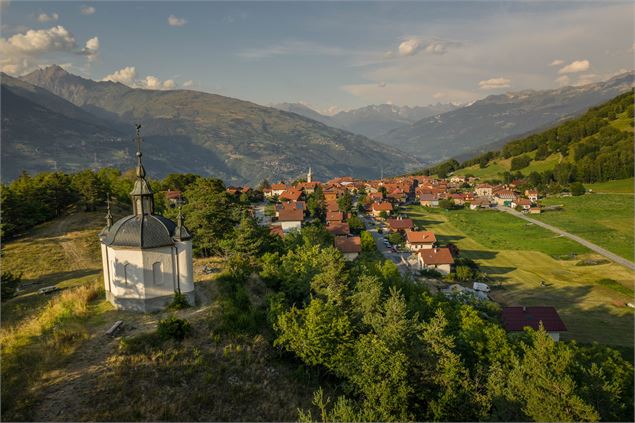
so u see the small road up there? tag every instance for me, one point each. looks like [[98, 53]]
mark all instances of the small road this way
[[395, 257], [609, 255], [259, 210]]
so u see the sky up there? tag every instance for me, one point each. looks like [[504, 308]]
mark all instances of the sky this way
[[331, 56]]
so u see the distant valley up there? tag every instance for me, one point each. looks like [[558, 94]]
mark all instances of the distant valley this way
[[54, 119]]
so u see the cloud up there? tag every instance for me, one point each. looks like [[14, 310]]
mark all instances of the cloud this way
[[494, 84], [91, 48], [125, 75], [588, 78], [575, 66], [557, 62], [88, 10], [563, 80], [128, 76], [25, 51], [43, 17], [174, 21], [381, 84], [414, 45], [188, 83]]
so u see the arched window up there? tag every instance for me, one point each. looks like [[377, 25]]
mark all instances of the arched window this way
[[157, 273], [126, 273]]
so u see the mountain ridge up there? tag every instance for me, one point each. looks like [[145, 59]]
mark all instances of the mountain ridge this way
[[239, 141]]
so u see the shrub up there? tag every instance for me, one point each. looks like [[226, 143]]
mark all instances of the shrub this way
[[179, 302], [174, 328], [430, 273], [577, 189]]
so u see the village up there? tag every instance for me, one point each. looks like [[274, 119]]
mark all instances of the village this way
[[379, 208]]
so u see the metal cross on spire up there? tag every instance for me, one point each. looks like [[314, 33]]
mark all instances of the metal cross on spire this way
[[138, 139]]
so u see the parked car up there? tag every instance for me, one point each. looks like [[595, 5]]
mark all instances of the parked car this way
[[48, 289], [480, 286]]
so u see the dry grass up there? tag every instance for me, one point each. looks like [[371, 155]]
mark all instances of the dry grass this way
[[42, 342]]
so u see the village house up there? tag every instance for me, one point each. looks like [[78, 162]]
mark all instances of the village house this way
[[400, 225], [378, 208], [290, 219], [291, 195], [516, 319], [504, 197], [338, 228], [174, 197], [480, 203], [350, 247], [532, 194], [483, 190], [307, 187], [535, 210], [523, 203], [332, 206], [439, 259], [417, 240], [276, 230], [290, 205], [335, 216], [429, 200], [277, 189]]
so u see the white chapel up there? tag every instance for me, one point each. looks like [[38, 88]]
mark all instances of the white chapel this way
[[146, 257]]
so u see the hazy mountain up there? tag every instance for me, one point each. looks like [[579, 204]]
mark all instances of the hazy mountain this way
[[195, 132], [371, 121], [499, 117]]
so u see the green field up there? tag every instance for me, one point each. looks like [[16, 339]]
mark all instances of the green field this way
[[519, 256], [620, 186], [495, 168], [604, 219]]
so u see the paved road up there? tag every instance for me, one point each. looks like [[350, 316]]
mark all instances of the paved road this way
[[395, 257], [260, 214], [609, 255]]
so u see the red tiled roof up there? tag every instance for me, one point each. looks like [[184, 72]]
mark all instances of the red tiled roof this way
[[436, 256], [334, 216], [290, 215], [338, 228], [385, 206], [349, 245], [278, 187], [400, 223], [332, 206], [173, 194], [421, 237], [291, 194], [276, 230], [517, 318]]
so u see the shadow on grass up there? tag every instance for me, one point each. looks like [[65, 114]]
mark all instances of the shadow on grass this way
[[54, 278], [479, 254]]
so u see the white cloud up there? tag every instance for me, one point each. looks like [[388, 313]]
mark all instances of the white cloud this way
[[88, 10], [588, 78], [409, 47], [188, 83], [414, 45], [575, 66], [563, 80], [128, 76], [125, 75], [43, 17], [174, 21], [381, 84], [25, 51], [494, 84], [557, 62], [292, 48]]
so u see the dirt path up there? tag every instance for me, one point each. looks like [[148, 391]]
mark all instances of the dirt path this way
[[594, 247]]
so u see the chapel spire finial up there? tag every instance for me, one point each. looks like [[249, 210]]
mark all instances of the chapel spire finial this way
[[108, 213], [141, 172]]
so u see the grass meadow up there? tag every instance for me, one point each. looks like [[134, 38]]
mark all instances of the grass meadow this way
[[604, 219], [518, 257]]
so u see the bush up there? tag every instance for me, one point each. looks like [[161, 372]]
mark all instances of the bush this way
[[430, 273], [395, 238], [9, 283], [577, 189], [179, 302], [174, 328], [520, 162]]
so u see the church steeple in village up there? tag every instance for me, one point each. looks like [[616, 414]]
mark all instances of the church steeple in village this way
[[309, 176], [142, 196]]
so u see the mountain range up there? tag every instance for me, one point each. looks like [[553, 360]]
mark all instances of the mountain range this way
[[371, 121], [52, 118], [488, 123]]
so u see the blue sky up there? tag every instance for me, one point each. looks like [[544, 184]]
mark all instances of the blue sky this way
[[330, 55]]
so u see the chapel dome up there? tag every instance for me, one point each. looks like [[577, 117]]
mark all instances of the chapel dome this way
[[144, 231]]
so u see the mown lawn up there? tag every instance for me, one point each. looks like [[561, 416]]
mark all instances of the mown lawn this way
[[518, 258], [604, 219]]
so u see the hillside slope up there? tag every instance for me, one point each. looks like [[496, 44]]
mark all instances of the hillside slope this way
[[599, 144], [233, 139], [497, 117]]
